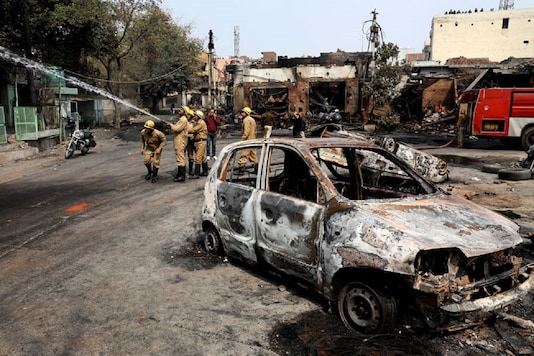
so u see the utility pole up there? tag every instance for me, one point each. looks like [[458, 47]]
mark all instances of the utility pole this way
[[210, 67]]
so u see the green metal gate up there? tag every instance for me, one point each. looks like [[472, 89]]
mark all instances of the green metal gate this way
[[26, 127], [3, 134]]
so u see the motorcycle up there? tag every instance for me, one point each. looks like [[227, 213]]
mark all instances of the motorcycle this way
[[80, 140], [330, 118]]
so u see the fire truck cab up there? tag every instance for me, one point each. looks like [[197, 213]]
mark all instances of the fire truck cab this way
[[506, 113]]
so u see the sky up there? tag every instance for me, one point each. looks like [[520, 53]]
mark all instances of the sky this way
[[296, 28]]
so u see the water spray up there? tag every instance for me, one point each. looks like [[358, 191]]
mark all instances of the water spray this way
[[28, 63]]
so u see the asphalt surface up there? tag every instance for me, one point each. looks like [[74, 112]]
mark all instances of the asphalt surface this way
[[96, 260]]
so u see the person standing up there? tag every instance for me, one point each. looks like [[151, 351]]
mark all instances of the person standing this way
[[212, 122], [152, 143], [190, 149], [200, 134], [267, 120], [249, 133], [179, 131], [298, 125]]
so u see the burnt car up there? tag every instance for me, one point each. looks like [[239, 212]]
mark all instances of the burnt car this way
[[369, 233]]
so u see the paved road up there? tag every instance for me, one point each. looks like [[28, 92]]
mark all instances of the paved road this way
[[96, 260]]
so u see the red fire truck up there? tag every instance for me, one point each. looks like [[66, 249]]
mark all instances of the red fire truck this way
[[506, 113]]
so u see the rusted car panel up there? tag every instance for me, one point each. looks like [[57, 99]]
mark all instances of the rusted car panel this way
[[431, 167], [360, 225]]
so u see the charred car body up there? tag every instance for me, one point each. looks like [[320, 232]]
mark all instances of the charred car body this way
[[431, 167], [366, 230]]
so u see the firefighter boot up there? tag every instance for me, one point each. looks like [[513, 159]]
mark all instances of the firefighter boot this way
[[191, 168], [205, 169], [180, 177], [155, 174], [197, 171], [149, 174]]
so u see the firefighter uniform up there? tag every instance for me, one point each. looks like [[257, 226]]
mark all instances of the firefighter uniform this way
[[180, 130], [249, 133], [152, 143], [200, 135], [190, 149]]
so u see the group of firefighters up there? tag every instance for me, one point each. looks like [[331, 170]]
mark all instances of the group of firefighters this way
[[190, 134]]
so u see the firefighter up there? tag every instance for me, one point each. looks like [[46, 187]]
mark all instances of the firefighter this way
[[152, 143], [190, 149], [249, 133], [462, 125], [200, 134], [180, 130]]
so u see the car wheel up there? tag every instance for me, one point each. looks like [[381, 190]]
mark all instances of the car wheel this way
[[212, 241], [515, 174], [366, 309]]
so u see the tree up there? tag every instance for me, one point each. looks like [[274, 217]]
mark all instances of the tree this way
[[116, 42], [380, 89], [166, 59]]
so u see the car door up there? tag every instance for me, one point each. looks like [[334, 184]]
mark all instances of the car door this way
[[288, 217], [236, 192]]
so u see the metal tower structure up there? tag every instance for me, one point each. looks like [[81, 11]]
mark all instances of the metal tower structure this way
[[236, 41], [506, 4], [373, 33]]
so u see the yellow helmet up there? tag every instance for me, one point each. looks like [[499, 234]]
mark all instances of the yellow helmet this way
[[199, 114], [246, 110], [149, 124], [186, 109], [190, 112]]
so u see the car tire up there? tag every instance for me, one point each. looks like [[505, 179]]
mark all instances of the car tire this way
[[366, 309], [515, 174], [212, 241], [492, 167]]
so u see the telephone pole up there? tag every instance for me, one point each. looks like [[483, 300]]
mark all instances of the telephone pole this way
[[210, 67]]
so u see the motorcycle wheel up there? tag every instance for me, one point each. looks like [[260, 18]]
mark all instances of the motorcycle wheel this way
[[69, 151]]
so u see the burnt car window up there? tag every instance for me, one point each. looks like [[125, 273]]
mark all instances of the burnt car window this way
[[366, 174], [289, 174], [242, 166]]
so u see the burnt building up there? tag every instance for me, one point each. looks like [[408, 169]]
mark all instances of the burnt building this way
[[308, 84]]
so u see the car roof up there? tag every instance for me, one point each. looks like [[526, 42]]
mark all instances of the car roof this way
[[313, 142]]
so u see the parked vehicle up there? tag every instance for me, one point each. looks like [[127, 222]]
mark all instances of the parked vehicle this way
[[431, 167], [506, 113], [81, 141], [363, 228]]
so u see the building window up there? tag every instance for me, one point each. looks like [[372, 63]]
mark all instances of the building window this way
[[505, 22]]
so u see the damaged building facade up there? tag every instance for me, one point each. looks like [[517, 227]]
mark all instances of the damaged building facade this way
[[495, 35], [310, 84]]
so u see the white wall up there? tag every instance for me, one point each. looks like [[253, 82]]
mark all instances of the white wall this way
[[285, 74], [480, 35]]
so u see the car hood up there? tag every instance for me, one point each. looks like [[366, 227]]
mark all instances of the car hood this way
[[395, 231]]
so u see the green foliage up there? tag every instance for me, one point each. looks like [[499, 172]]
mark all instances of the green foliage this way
[[126, 46], [166, 56], [380, 89]]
